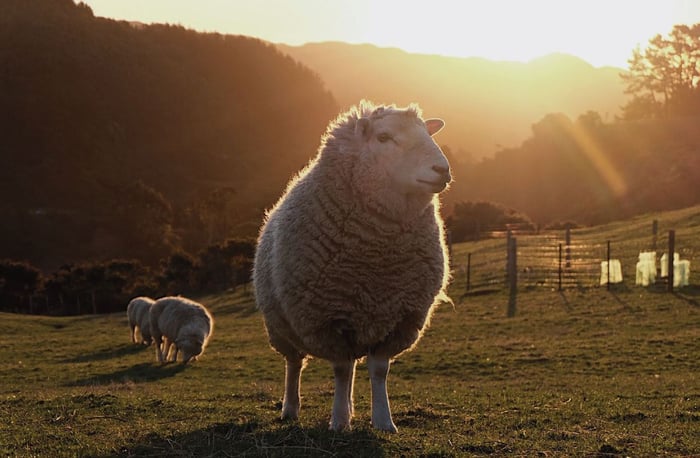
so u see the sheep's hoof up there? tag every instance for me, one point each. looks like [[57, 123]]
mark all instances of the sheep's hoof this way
[[338, 426], [290, 412], [388, 427]]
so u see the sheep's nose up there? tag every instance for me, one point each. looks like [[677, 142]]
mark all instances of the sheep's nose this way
[[443, 171]]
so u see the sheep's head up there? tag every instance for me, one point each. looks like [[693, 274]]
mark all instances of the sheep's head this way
[[190, 346], [398, 145]]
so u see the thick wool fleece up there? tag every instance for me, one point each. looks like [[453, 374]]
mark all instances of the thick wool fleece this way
[[178, 318], [138, 314], [344, 266]]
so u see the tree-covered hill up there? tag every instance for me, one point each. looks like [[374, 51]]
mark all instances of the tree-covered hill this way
[[130, 139], [588, 171]]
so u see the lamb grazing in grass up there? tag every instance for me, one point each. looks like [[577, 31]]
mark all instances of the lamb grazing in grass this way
[[138, 313], [183, 323], [352, 259]]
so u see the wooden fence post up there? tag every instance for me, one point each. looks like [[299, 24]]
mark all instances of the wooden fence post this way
[[512, 275], [609, 269], [560, 267], [568, 246], [469, 271], [671, 252]]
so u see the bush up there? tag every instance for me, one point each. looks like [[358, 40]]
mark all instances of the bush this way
[[473, 220]]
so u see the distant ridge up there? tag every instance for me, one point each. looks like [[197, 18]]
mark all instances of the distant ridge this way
[[487, 104]]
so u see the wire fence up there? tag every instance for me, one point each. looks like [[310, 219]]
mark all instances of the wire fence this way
[[557, 260]]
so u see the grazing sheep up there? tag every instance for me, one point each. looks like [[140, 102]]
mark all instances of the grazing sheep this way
[[352, 259], [138, 314], [183, 323]]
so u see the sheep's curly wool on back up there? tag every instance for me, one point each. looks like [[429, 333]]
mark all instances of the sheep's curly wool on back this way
[[343, 264]]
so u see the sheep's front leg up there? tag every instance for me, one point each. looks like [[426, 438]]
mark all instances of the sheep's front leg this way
[[344, 372], [292, 381], [378, 368]]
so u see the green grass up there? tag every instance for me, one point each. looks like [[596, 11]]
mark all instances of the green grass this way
[[586, 372]]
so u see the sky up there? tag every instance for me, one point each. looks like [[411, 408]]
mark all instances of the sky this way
[[602, 32]]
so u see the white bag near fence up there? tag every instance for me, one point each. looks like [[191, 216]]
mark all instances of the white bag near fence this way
[[615, 272], [646, 268], [664, 263], [681, 269]]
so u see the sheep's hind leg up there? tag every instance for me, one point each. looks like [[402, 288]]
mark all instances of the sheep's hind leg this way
[[292, 382], [165, 353], [173, 352], [344, 372], [378, 368], [158, 341]]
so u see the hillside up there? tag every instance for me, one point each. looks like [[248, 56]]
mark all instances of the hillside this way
[[107, 126], [584, 371], [487, 105], [588, 171]]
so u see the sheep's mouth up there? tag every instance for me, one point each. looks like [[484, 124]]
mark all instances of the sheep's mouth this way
[[435, 186]]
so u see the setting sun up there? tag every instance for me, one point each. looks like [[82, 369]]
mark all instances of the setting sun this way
[[598, 31]]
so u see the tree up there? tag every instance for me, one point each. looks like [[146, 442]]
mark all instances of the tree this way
[[470, 219], [18, 282], [178, 272], [666, 73]]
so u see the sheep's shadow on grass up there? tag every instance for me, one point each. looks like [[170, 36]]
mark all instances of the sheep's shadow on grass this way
[[109, 353], [144, 372], [249, 438]]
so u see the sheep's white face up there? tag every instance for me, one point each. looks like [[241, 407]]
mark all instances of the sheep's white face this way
[[402, 146]]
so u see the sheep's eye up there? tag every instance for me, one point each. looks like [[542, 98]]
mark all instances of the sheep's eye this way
[[384, 137]]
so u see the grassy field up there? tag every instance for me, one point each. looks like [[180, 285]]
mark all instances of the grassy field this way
[[584, 372]]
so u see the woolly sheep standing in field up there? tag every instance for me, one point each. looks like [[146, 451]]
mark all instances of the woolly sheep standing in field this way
[[352, 259], [181, 322], [138, 313]]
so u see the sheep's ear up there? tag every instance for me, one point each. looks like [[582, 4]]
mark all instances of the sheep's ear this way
[[434, 125], [362, 128]]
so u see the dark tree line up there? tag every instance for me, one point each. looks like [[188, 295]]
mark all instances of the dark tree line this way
[[475, 220], [105, 287], [132, 140]]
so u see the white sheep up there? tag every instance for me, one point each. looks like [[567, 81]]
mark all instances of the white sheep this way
[[138, 314], [183, 323], [352, 259]]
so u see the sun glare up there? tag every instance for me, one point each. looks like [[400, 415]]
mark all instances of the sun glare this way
[[601, 32], [517, 31]]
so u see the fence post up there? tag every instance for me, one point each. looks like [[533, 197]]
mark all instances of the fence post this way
[[654, 233], [512, 275], [469, 271], [568, 246], [671, 251], [608, 264], [560, 267]]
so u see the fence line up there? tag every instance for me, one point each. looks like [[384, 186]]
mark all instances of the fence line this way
[[545, 260]]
